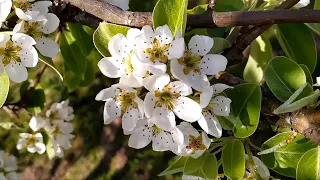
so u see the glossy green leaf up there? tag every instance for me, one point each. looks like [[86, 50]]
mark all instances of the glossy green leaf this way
[[309, 165], [246, 108], [104, 33], [198, 9], [49, 149], [307, 73], [298, 44], [4, 88], [34, 101], [225, 123], [175, 167], [284, 158], [233, 160], [284, 77], [210, 167], [192, 165], [260, 55], [171, 12], [49, 62], [219, 45], [205, 166], [228, 5], [72, 80]]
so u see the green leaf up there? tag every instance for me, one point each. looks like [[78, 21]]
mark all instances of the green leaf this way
[[104, 33], [198, 9], [225, 123], [309, 165], [260, 55], [307, 73], [284, 159], [49, 149], [171, 12], [219, 45], [298, 44], [228, 5], [315, 26], [233, 159], [34, 101], [284, 77], [246, 108], [175, 167], [49, 62], [72, 80], [6, 125], [4, 88], [205, 166]]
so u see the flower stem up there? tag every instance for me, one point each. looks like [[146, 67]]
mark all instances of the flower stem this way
[[256, 172]]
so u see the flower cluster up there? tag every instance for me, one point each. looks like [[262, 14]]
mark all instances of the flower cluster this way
[[8, 166], [32, 31], [57, 127], [161, 81]]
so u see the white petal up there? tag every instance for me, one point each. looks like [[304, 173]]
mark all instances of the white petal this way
[[188, 129], [163, 118], [41, 6], [205, 97], [129, 119], [164, 34], [156, 82], [142, 56], [107, 93], [27, 16], [4, 38], [200, 45], [197, 154], [5, 8], [132, 33], [187, 177], [221, 106], [187, 109], [210, 124], [29, 57], [156, 68], [47, 47], [2, 177], [177, 70], [10, 163], [177, 48], [16, 72], [19, 28], [140, 106], [149, 104], [13, 176], [65, 127], [36, 123], [50, 25], [218, 88], [162, 142], [111, 67], [302, 3], [41, 148], [212, 64], [177, 136], [21, 143], [262, 168], [318, 81], [205, 140], [147, 35], [198, 81], [112, 110], [31, 149], [181, 88], [131, 81], [115, 45], [140, 139], [22, 40]]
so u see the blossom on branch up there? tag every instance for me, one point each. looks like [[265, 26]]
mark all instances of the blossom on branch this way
[[8, 166]]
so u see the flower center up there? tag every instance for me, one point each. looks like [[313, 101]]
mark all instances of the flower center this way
[[195, 143], [32, 29], [10, 52], [158, 52], [22, 4], [32, 140], [54, 115], [56, 131], [156, 130], [166, 98], [190, 62], [127, 100], [129, 68]]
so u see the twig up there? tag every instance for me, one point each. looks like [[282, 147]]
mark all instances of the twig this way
[[100, 11]]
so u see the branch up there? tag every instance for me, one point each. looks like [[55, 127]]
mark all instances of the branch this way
[[95, 11]]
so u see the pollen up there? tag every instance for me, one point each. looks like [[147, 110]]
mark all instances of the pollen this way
[[166, 98], [195, 143], [156, 130], [22, 4], [33, 29], [127, 100], [158, 52], [190, 62]]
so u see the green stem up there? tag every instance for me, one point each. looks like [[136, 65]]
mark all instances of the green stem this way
[[217, 151], [256, 172], [222, 139]]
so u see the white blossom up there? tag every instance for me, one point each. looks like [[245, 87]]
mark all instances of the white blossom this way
[[39, 31], [196, 64], [60, 111], [188, 177], [167, 99], [33, 142], [155, 48], [195, 143], [8, 166], [29, 11], [302, 3], [123, 63], [121, 101], [17, 53], [123, 4], [261, 167], [218, 106], [5, 8], [162, 140]]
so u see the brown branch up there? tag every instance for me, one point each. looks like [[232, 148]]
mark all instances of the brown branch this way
[[103, 11]]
